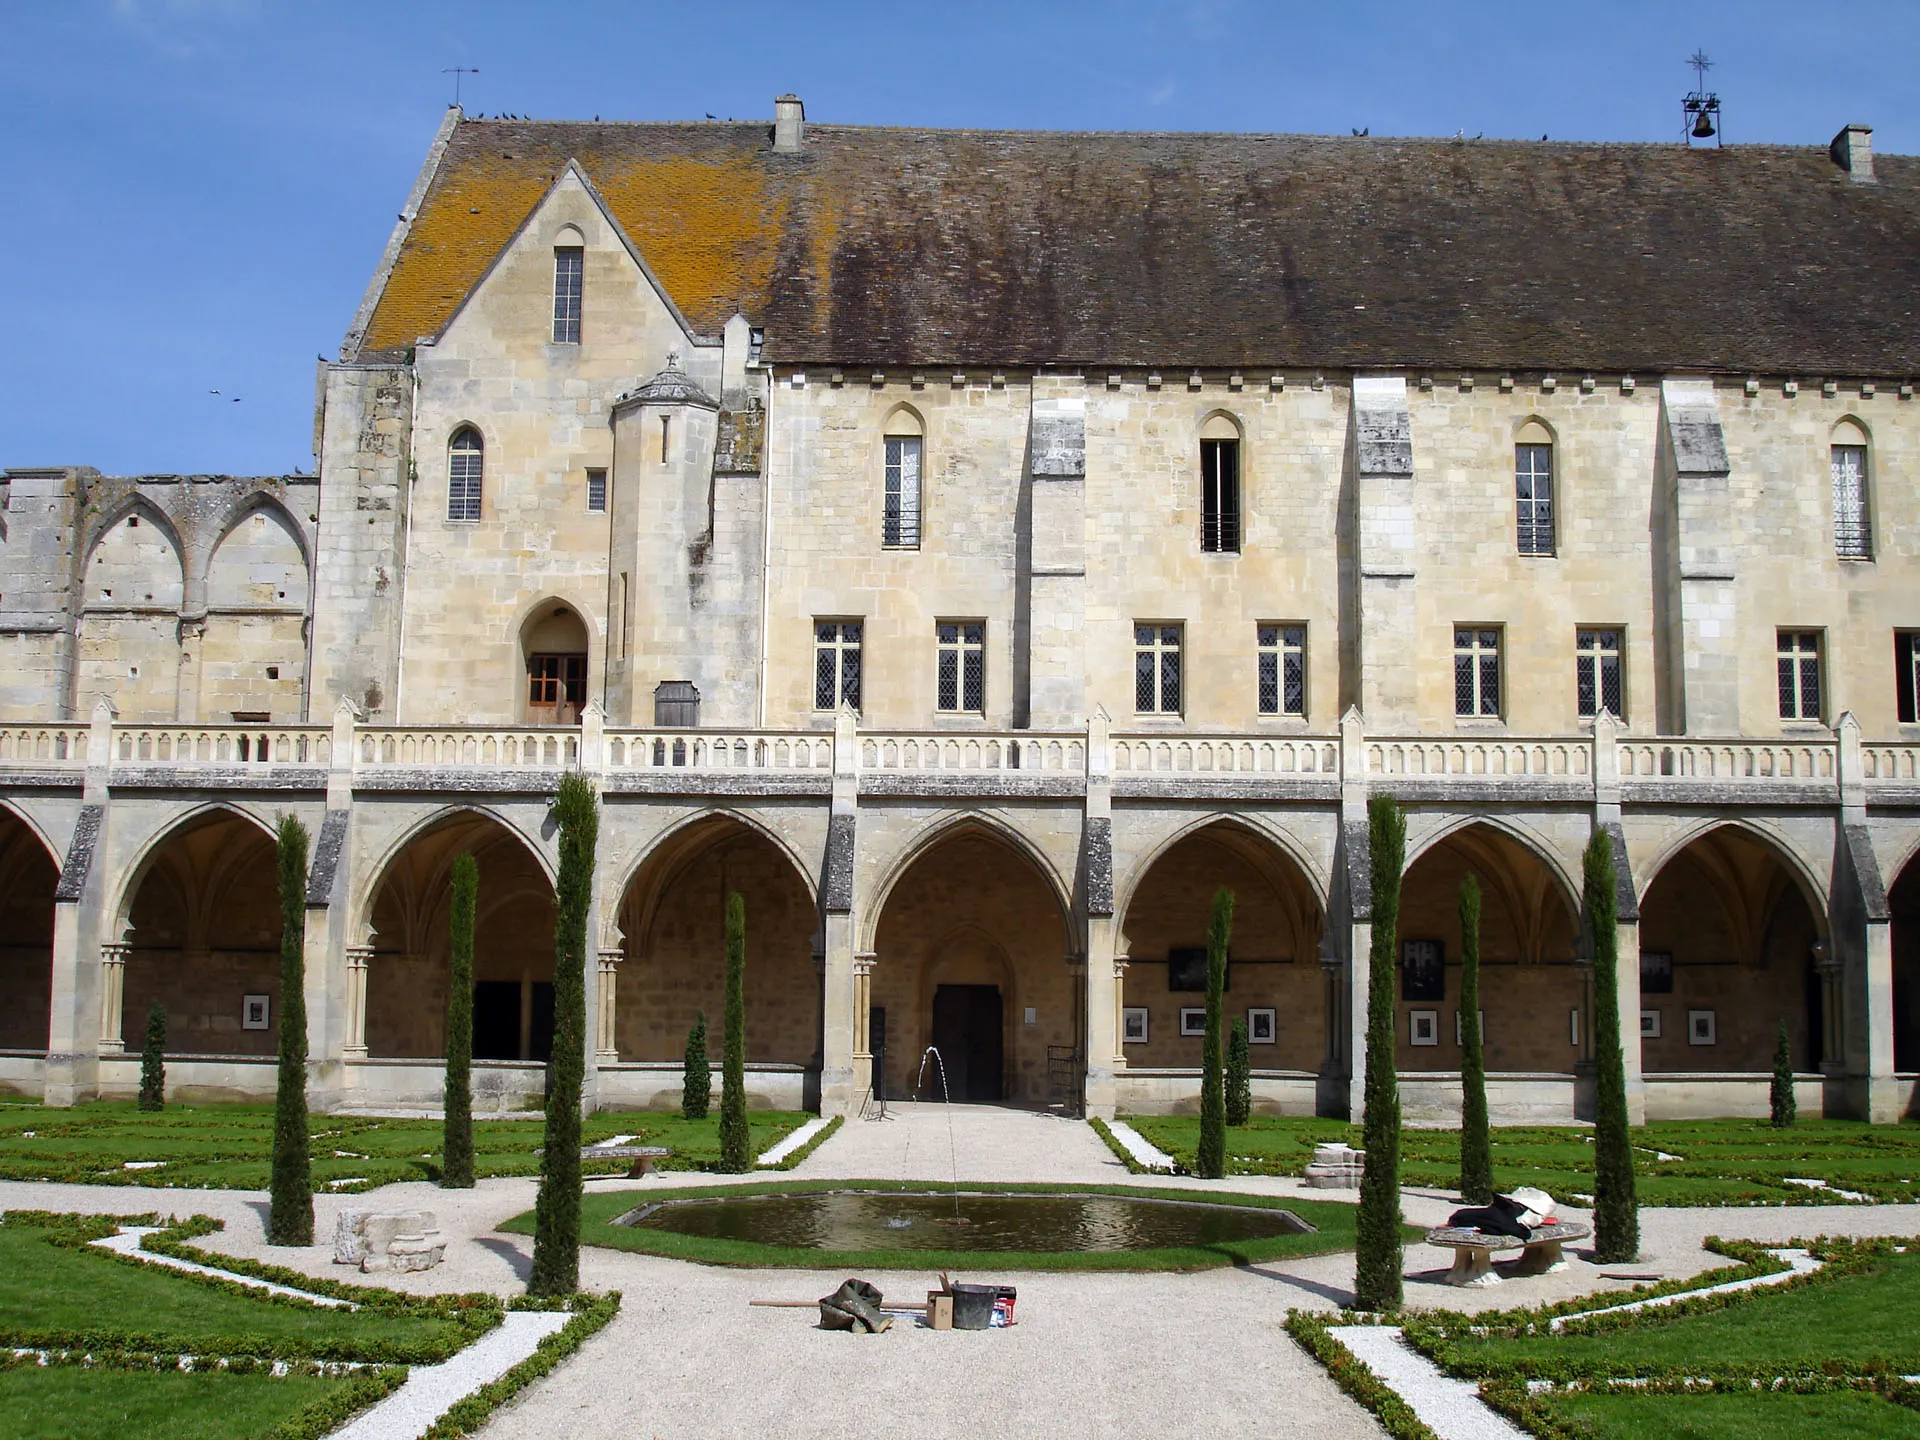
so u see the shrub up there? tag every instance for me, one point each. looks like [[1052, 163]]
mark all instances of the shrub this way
[[736, 1145], [290, 1216], [1785, 1108], [696, 1086], [556, 1230], [1476, 1141], [1616, 1216], [456, 1145], [1239, 1073], [1378, 1244], [153, 1066]]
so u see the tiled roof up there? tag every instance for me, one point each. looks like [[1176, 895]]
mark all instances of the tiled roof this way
[[924, 247]]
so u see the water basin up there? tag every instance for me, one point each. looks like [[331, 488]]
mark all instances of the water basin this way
[[851, 1220]]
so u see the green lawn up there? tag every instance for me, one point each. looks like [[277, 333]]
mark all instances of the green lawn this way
[[1333, 1222], [1719, 1162], [61, 1402], [51, 1293], [230, 1146], [1827, 1415], [1865, 1320]]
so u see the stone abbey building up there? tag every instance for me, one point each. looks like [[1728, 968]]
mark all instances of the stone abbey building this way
[[975, 548]]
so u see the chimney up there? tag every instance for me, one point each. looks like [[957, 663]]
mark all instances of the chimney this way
[[1852, 151], [790, 125]]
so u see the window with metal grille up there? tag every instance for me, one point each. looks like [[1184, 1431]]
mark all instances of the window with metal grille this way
[[1906, 675], [1799, 669], [1597, 672], [596, 490], [1476, 671], [963, 665], [569, 268], [901, 528], [466, 461], [1283, 669], [1533, 488], [552, 679], [1852, 526], [1220, 495], [836, 664], [1156, 669]]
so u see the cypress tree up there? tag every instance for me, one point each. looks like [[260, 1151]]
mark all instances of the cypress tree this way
[[736, 1147], [1211, 1161], [1239, 1073], [1785, 1108], [556, 1224], [1476, 1144], [290, 1214], [1616, 1217], [696, 1085], [456, 1146], [153, 1067], [1379, 1248]]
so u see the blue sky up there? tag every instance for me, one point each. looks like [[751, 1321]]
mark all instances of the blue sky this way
[[201, 188]]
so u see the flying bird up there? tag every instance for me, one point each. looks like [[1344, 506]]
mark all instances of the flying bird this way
[[1364, 133]]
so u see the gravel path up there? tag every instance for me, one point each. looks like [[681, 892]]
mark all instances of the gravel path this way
[[1451, 1408], [430, 1389]]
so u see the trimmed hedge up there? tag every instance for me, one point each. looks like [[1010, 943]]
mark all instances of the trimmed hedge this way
[[820, 1137], [1311, 1331], [590, 1314]]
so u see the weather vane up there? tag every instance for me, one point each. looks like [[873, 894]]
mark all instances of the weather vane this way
[[457, 71], [1701, 108]]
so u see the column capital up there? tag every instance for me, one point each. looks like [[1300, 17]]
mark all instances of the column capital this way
[[115, 952], [864, 961], [612, 957], [359, 955], [1120, 963]]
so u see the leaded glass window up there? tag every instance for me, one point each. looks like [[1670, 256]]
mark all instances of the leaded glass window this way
[[1220, 495], [1852, 526], [1597, 672], [466, 462], [1798, 662], [1156, 669], [1533, 487], [963, 666], [569, 269], [901, 527], [836, 664], [596, 491], [1476, 671], [1283, 669]]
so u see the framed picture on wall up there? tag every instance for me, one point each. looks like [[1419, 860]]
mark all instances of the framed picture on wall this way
[[1656, 972], [1424, 1027], [1649, 1024], [1702, 1028], [1133, 1025], [1193, 1020], [1423, 970], [1261, 1026], [255, 1012]]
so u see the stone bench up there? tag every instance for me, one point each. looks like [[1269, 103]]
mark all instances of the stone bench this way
[[1473, 1250], [642, 1156]]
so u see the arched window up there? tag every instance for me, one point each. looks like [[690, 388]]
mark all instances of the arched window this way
[[466, 462], [1533, 488], [900, 520], [1220, 486], [1852, 521]]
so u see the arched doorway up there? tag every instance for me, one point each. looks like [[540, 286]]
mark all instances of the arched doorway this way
[[1904, 900], [1728, 950], [553, 644], [406, 1005], [28, 875], [1532, 988], [673, 918], [204, 931], [970, 956], [1274, 982]]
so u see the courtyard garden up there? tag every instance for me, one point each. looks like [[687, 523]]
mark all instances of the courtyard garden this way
[[229, 1146], [1684, 1162]]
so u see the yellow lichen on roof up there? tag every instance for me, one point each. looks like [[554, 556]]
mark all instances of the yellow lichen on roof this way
[[465, 221], [708, 228]]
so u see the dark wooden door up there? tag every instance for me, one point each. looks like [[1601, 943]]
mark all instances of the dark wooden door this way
[[967, 1033]]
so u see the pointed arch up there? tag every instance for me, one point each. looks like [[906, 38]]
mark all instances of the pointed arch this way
[[677, 845], [362, 907], [949, 827], [135, 506], [29, 873], [32, 825], [1257, 826], [1812, 886], [135, 873], [262, 500], [1571, 885]]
